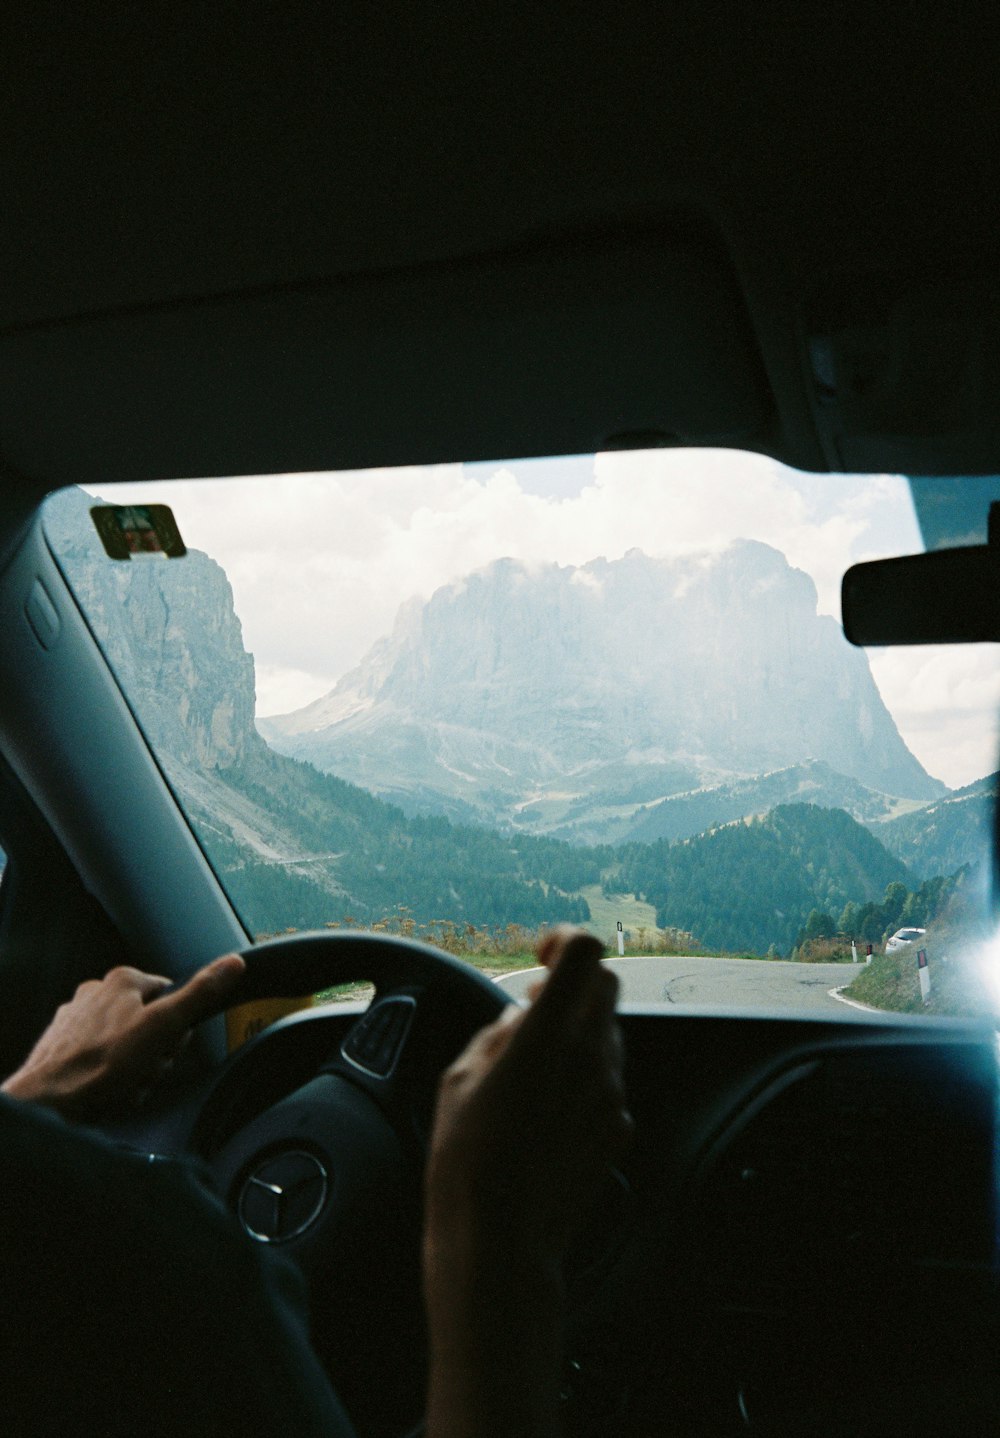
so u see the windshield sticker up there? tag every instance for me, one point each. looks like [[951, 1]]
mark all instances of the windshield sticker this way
[[129, 530]]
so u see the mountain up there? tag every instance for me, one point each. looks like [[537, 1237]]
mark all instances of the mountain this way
[[299, 848], [546, 697], [294, 848], [748, 885], [683, 815], [941, 837], [169, 631]]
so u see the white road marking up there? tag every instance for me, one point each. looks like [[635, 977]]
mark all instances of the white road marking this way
[[854, 1003]]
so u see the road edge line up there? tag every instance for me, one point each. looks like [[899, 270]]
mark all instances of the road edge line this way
[[854, 1003]]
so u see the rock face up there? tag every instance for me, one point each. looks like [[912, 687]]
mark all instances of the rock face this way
[[294, 848], [535, 694], [171, 634]]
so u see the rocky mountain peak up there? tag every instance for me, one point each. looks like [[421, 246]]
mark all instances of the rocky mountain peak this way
[[523, 686]]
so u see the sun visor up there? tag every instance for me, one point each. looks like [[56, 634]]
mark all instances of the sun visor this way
[[563, 348], [905, 377]]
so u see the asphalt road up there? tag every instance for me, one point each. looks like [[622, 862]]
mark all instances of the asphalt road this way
[[773, 985]]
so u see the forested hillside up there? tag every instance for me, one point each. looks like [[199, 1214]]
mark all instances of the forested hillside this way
[[899, 908], [359, 858], [943, 836], [752, 885]]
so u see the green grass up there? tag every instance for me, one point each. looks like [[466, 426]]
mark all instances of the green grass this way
[[343, 994], [606, 911], [891, 982]]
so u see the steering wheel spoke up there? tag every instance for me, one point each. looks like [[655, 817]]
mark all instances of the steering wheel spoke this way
[[317, 1143], [376, 1042]]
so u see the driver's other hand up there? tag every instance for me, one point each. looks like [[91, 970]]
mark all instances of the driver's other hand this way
[[105, 1049], [532, 1113]]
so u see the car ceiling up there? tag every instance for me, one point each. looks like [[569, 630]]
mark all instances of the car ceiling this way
[[241, 238]]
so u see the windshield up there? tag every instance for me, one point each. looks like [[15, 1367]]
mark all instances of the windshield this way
[[468, 702]]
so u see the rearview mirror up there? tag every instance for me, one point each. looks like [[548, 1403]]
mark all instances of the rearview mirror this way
[[947, 596]]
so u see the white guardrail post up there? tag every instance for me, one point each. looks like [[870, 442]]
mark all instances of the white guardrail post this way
[[621, 940], [925, 974]]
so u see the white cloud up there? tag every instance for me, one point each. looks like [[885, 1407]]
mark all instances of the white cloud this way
[[946, 701], [320, 563], [587, 579], [280, 689]]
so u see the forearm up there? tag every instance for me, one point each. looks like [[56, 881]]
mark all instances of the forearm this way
[[528, 1117], [496, 1333]]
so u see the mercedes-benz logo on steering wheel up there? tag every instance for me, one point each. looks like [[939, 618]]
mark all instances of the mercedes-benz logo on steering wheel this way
[[283, 1196]]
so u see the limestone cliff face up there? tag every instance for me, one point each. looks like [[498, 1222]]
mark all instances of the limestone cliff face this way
[[171, 634], [558, 698], [523, 690]]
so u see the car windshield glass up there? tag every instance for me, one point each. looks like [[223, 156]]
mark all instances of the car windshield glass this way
[[465, 702]]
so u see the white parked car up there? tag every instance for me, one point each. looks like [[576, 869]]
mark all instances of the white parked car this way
[[901, 938]]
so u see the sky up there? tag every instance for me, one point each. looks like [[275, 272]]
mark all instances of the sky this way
[[320, 563]]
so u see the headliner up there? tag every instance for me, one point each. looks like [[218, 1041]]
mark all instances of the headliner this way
[[294, 236]]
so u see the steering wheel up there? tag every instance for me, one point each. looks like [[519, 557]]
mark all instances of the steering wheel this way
[[317, 1139]]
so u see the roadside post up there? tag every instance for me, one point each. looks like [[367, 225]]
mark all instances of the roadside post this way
[[925, 974], [868, 954], [621, 940], [854, 952]]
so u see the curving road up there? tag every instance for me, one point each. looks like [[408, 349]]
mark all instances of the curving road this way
[[773, 985]]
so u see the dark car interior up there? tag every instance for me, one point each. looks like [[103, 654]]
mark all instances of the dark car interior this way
[[273, 238]]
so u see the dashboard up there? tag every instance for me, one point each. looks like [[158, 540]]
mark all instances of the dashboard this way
[[812, 1232], [801, 1239]]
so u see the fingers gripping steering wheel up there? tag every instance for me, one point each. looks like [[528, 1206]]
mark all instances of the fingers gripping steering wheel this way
[[316, 1138]]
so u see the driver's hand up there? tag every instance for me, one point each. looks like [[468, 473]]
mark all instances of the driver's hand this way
[[528, 1118], [105, 1049], [531, 1114]]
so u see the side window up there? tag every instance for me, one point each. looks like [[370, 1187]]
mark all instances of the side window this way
[[53, 932]]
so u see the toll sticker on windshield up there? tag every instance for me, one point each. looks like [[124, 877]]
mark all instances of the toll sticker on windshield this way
[[130, 530]]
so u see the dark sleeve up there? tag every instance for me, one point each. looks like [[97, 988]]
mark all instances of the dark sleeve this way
[[130, 1302]]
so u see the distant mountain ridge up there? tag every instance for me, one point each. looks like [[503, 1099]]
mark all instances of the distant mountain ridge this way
[[939, 838], [683, 815], [299, 848], [544, 697]]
